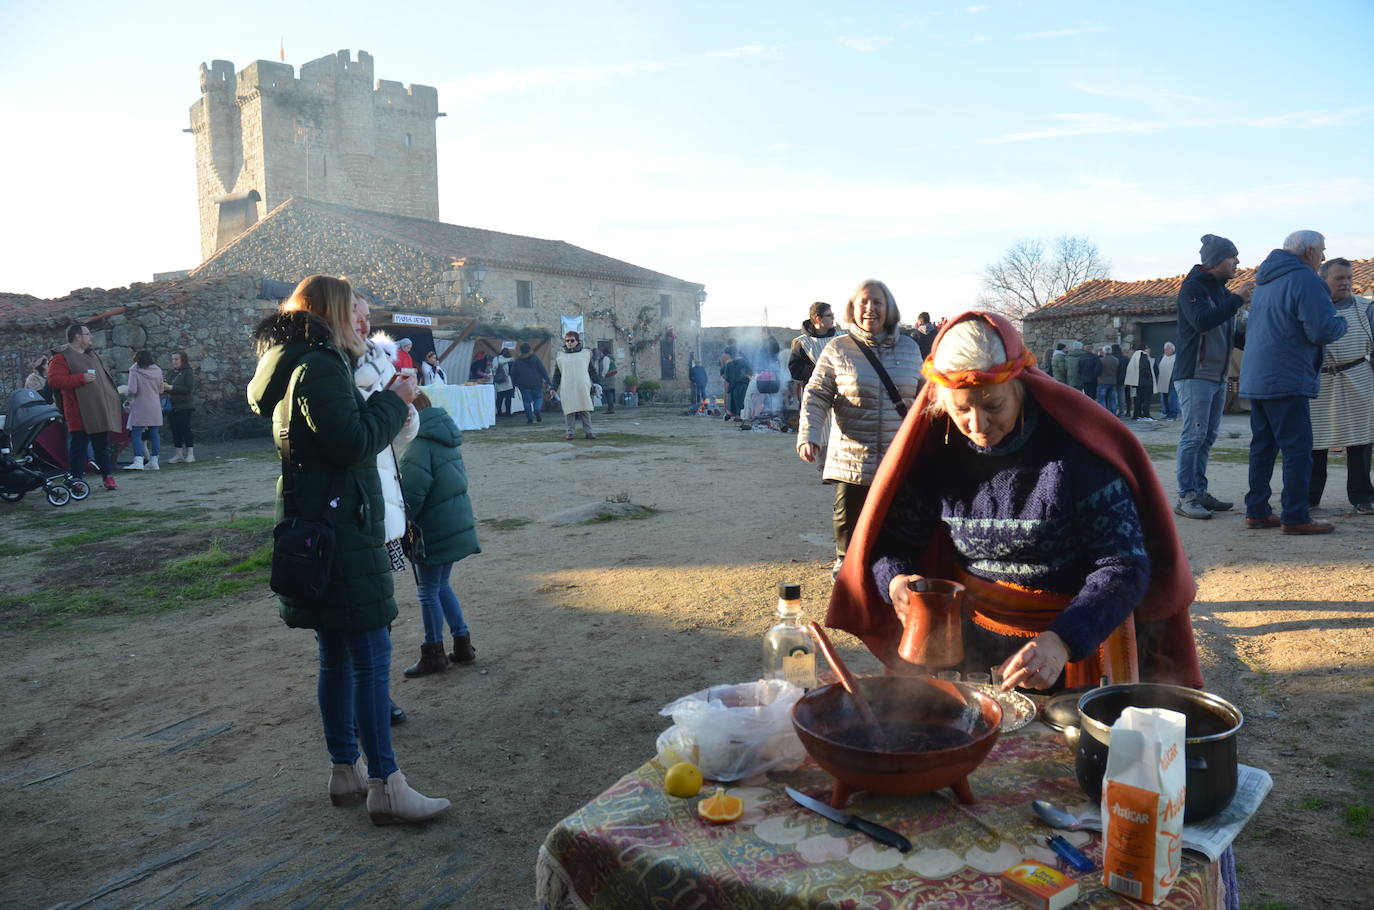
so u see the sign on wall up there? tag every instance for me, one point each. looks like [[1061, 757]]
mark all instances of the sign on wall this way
[[407, 319]]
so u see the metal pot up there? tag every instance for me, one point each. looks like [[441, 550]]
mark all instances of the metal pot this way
[[1209, 744]]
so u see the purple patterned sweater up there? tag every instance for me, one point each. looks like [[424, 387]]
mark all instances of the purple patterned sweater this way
[[1038, 511]]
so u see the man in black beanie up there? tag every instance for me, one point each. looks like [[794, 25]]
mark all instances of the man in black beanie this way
[[1206, 332]]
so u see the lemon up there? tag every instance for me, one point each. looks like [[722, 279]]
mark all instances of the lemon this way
[[683, 779]]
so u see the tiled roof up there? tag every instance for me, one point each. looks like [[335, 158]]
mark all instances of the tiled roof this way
[[91, 304], [1157, 295], [492, 248]]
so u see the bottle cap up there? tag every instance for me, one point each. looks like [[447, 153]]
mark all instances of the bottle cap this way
[[789, 590]]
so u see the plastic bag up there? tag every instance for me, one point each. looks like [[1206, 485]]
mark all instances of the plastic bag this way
[[734, 731]]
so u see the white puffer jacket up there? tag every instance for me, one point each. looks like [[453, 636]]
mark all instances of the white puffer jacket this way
[[371, 375], [865, 419]]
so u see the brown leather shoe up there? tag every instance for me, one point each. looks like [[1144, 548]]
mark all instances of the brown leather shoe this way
[[432, 660], [1269, 521], [463, 651], [1312, 527]]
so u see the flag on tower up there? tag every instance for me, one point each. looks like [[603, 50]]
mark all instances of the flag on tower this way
[[283, 50]]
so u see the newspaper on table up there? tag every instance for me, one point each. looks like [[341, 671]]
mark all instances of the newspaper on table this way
[[1211, 836]]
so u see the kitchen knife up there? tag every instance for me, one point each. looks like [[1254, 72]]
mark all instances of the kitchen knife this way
[[875, 831]]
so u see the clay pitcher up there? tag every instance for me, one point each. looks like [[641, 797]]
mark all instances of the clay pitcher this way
[[932, 635]]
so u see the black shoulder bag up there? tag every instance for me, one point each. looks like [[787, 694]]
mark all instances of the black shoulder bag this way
[[303, 549], [882, 374]]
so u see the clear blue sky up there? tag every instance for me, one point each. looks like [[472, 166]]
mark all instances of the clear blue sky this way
[[778, 152]]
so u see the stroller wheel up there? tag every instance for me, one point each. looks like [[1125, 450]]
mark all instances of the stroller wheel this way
[[79, 488], [59, 496], [11, 497]]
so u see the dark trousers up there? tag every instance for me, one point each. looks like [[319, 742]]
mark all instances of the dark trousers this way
[[1144, 397], [699, 394], [849, 502], [503, 401], [1280, 425], [1357, 484], [181, 428], [76, 452], [1123, 400], [735, 403], [608, 395], [1090, 389]]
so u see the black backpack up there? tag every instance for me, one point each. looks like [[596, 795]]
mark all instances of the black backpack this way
[[501, 376]]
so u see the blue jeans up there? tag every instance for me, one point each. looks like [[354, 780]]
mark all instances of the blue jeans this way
[[1169, 402], [1106, 396], [698, 394], [1280, 425], [1201, 402], [355, 704], [533, 399], [438, 602], [154, 440]]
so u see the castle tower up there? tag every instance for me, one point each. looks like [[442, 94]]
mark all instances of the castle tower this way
[[263, 136]]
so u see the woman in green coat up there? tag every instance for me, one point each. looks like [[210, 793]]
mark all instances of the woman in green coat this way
[[435, 484], [335, 435]]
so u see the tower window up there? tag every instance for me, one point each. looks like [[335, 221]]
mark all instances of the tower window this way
[[407, 140], [665, 305], [524, 295]]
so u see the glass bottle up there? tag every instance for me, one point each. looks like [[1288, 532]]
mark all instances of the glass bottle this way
[[788, 650]]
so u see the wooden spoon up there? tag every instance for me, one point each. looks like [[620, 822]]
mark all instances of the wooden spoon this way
[[847, 680]]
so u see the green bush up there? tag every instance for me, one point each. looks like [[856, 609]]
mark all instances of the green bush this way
[[648, 388]]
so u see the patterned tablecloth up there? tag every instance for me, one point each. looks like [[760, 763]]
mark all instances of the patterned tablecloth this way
[[472, 407], [635, 846]]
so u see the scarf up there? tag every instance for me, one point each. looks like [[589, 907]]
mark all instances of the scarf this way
[[857, 607]]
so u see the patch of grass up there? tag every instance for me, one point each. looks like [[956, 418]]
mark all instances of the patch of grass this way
[[504, 524], [1357, 819], [1219, 453], [1333, 760], [261, 523], [1315, 803], [19, 549], [1264, 905], [640, 512]]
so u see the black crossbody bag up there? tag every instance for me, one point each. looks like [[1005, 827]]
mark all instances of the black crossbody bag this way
[[882, 374], [303, 549]]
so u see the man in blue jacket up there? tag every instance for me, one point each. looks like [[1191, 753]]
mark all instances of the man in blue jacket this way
[[1206, 332], [1292, 317]]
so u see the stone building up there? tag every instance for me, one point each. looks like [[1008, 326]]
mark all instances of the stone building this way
[[1130, 313], [208, 318], [263, 135], [502, 280]]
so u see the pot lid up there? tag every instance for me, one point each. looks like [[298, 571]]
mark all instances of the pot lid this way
[[1062, 711]]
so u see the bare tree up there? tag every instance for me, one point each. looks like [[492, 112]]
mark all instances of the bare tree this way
[[1026, 278]]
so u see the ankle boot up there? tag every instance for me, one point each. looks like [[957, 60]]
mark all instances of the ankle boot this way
[[190, 454], [179, 457], [152, 463], [432, 660], [135, 465], [348, 783], [463, 651], [392, 800]]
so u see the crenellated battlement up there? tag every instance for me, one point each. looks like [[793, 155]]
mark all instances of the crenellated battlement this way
[[326, 77], [265, 133]]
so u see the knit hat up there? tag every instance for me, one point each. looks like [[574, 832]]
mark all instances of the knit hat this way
[[1215, 249], [404, 343]]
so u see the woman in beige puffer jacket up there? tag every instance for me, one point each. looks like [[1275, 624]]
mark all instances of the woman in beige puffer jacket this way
[[865, 419]]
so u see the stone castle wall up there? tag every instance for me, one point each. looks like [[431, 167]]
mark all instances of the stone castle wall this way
[[208, 318], [328, 135]]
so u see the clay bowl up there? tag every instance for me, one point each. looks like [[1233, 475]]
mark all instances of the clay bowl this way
[[938, 732]]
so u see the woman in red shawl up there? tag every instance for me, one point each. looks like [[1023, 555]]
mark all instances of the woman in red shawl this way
[[1042, 505]]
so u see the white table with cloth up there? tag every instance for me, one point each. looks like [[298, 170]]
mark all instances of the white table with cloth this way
[[472, 407]]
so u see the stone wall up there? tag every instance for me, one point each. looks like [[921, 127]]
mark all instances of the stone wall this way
[[208, 318], [1043, 332], [328, 135], [555, 295]]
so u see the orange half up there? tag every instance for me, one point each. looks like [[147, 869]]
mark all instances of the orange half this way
[[719, 808]]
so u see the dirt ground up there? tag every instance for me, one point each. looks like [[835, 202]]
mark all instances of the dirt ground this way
[[173, 757]]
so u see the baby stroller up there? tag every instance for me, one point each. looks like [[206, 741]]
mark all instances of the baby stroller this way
[[26, 415]]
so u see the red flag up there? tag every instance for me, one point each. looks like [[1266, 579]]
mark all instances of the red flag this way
[[283, 50]]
